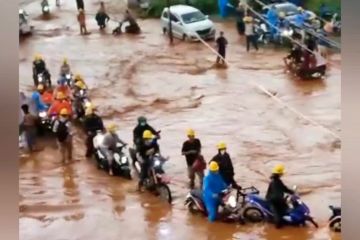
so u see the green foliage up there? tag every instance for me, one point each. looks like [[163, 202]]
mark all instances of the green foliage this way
[[206, 6]]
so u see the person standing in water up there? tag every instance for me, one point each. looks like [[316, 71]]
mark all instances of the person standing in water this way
[[222, 43]]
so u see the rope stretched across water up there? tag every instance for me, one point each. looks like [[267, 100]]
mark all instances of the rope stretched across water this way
[[276, 99]]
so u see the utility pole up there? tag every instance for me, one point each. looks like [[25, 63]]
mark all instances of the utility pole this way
[[170, 25]]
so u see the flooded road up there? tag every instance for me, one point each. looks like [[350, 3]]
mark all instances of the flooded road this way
[[176, 88]]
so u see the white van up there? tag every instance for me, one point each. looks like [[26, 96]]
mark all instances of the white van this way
[[187, 23]]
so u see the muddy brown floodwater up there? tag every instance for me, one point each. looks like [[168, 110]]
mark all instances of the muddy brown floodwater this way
[[176, 88]]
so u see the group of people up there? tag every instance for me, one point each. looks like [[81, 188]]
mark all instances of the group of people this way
[[102, 18], [304, 62]]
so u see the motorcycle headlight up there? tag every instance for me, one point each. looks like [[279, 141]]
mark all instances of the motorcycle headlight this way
[[87, 104], [124, 160], [157, 163], [42, 114], [40, 78], [232, 201], [46, 8], [68, 76]]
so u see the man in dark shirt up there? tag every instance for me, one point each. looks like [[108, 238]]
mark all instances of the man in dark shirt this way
[[191, 149], [275, 195], [139, 130], [221, 44], [226, 168], [92, 124]]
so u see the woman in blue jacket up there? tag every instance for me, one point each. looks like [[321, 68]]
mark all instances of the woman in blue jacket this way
[[213, 186]]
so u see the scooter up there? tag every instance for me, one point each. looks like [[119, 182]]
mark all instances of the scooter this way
[[231, 206], [335, 219], [257, 209], [120, 166]]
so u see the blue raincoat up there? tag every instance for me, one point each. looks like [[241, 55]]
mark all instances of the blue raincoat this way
[[222, 4], [300, 20], [213, 185], [39, 104], [273, 19]]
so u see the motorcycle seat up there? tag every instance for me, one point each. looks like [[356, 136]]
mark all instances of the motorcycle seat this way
[[259, 200]]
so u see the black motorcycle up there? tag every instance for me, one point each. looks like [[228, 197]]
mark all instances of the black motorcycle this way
[[120, 166], [157, 181], [335, 219], [80, 103], [44, 79]]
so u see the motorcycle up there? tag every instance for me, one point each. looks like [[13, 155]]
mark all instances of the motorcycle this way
[[45, 123], [231, 206], [335, 219], [69, 80], [45, 8], [42, 78], [157, 181], [80, 103], [257, 209], [262, 32], [120, 166], [130, 29]]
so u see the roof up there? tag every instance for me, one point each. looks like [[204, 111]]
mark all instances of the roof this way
[[182, 9]]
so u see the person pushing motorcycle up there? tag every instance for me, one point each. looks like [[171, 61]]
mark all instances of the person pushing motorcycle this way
[[141, 127], [39, 66], [213, 186], [65, 68], [275, 194], [147, 148], [225, 164], [108, 146]]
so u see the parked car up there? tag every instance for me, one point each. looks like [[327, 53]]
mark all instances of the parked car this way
[[290, 10], [24, 26], [187, 23]]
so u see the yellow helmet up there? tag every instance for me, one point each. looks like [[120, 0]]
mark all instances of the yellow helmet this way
[[80, 85], [60, 95], [38, 57], [112, 127], [78, 77], [221, 145], [282, 14], [247, 19], [40, 87], [148, 134], [278, 169], [190, 132], [64, 111], [65, 61], [89, 111], [214, 166]]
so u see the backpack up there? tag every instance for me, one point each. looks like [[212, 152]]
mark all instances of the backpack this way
[[62, 131]]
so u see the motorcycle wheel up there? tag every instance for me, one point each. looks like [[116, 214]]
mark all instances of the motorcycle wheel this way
[[192, 207], [127, 175], [164, 192], [253, 214], [336, 225]]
